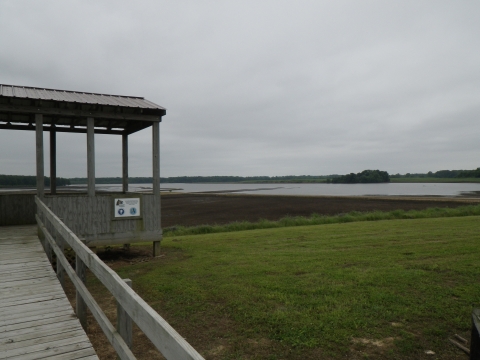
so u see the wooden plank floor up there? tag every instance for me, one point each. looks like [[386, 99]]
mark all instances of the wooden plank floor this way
[[36, 319]]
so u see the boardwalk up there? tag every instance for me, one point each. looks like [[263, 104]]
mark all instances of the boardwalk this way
[[36, 319]]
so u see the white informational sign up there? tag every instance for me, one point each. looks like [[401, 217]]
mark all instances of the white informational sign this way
[[127, 207]]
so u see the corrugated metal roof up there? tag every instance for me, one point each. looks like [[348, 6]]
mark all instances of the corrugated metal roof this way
[[76, 97]]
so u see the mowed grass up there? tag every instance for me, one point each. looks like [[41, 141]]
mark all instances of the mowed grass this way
[[378, 290]]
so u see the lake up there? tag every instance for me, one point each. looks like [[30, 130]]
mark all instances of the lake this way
[[390, 189]]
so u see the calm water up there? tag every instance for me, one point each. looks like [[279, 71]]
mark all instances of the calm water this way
[[395, 189]]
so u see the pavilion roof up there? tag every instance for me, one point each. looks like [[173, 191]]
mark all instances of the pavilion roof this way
[[69, 110]]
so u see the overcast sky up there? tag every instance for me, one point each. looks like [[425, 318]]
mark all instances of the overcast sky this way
[[257, 87]]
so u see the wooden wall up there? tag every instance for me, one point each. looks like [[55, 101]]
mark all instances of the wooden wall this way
[[89, 218], [92, 218], [17, 209]]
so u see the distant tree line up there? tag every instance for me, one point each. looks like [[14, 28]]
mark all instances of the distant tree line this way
[[25, 180], [113, 180], [243, 179], [469, 173], [206, 179], [444, 174], [364, 177]]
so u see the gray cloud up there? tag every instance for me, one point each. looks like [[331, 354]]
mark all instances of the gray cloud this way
[[258, 88]]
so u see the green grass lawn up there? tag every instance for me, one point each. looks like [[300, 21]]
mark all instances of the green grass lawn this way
[[365, 290]]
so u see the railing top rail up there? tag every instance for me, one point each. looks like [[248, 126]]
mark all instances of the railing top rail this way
[[162, 335]]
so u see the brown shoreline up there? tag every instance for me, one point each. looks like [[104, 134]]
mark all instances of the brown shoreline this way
[[199, 209]]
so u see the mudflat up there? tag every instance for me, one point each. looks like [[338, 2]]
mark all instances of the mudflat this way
[[199, 209]]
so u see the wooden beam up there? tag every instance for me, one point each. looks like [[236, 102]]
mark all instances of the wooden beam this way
[[62, 129], [39, 150], [81, 307], [8, 108], [61, 246], [156, 179], [53, 161], [156, 158], [91, 157], [124, 322], [125, 162]]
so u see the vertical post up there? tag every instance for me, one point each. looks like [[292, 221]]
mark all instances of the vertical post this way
[[53, 160], [39, 148], [125, 162], [475, 336], [81, 307], [91, 156], [60, 270], [124, 322], [49, 252], [156, 158], [156, 178], [40, 233]]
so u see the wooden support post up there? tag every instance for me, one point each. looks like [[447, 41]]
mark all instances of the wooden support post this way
[[124, 322], [81, 307], [125, 162], [60, 269], [91, 156], [475, 336], [53, 160], [48, 251], [156, 178], [156, 158], [41, 237], [156, 248], [40, 233], [39, 149]]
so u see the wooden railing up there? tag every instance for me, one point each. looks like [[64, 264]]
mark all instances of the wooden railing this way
[[132, 306]]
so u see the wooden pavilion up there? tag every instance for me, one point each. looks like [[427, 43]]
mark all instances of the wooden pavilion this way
[[97, 218]]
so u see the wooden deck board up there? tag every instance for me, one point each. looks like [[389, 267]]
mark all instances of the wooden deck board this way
[[36, 319], [33, 289], [27, 299]]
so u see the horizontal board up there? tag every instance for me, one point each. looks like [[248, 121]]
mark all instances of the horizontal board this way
[[21, 300], [44, 349], [70, 323], [24, 310], [32, 291], [84, 354], [46, 336], [36, 316]]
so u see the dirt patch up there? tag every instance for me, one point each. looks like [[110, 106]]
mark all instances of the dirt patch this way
[[363, 348], [383, 343], [200, 209]]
